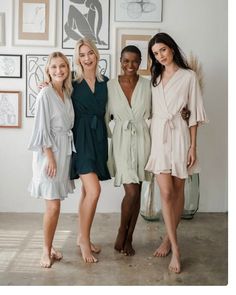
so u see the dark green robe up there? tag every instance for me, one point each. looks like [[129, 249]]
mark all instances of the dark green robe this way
[[90, 133]]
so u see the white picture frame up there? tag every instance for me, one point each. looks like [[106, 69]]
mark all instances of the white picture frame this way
[[34, 22], [2, 29], [138, 37], [10, 109], [138, 11], [89, 19]]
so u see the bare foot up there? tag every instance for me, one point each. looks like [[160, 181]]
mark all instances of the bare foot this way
[[175, 265], [94, 248], [57, 255], [128, 249], [87, 253], [120, 241], [164, 249], [46, 261]]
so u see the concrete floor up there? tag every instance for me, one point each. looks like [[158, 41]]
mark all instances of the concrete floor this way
[[203, 243]]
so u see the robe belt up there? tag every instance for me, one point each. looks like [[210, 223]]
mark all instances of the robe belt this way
[[69, 133], [130, 125], [168, 125]]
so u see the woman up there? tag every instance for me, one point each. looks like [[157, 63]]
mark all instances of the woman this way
[[129, 103], [52, 143], [173, 151], [89, 99]]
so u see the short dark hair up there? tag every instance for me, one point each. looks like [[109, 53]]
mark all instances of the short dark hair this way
[[131, 48]]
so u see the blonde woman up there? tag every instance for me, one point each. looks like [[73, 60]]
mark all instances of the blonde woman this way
[[89, 99], [52, 145]]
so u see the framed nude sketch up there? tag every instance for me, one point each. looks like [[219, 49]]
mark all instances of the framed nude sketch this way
[[86, 18], [10, 109], [139, 38], [138, 10], [34, 22], [10, 66]]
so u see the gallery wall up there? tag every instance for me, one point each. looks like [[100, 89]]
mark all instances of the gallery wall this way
[[197, 26]]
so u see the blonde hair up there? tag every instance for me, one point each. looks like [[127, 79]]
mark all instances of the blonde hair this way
[[67, 86], [79, 73]]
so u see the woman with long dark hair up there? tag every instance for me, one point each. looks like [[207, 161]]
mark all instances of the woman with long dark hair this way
[[173, 152]]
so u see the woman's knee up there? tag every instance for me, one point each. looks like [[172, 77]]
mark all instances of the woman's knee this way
[[94, 192], [53, 207], [167, 195]]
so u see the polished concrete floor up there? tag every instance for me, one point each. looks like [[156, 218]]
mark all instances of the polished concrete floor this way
[[203, 243]]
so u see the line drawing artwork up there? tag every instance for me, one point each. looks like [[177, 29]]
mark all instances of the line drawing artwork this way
[[104, 65], [35, 65], [34, 18], [138, 10], [8, 110], [86, 18]]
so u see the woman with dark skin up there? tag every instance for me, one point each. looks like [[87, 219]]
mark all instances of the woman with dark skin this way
[[129, 103]]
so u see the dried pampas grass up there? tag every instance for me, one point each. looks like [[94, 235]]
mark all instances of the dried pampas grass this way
[[195, 65]]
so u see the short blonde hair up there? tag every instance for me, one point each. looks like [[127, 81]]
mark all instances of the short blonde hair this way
[[79, 73], [67, 86]]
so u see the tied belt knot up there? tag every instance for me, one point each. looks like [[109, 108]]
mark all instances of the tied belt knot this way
[[69, 133], [130, 125], [168, 124]]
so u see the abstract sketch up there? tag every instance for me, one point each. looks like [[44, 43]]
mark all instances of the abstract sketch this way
[[35, 65], [104, 65], [9, 109], [85, 18], [138, 10], [10, 66]]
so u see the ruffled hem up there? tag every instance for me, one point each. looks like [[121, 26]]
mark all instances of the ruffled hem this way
[[176, 170], [42, 140], [51, 190], [127, 179]]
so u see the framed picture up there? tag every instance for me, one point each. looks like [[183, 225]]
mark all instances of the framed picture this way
[[34, 22], [10, 109], [139, 38], [2, 28], [10, 66], [104, 65], [85, 19], [138, 10], [35, 65]]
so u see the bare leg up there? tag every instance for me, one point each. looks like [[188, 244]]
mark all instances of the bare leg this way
[[87, 211], [94, 248], [49, 227], [167, 189], [129, 214], [165, 247]]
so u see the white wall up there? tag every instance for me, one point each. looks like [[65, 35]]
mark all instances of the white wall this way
[[197, 25]]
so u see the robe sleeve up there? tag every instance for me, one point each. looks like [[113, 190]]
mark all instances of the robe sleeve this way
[[41, 136], [195, 103]]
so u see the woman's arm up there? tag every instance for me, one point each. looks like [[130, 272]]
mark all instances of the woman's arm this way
[[51, 168], [193, 146]]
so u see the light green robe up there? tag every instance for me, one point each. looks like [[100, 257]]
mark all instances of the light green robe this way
[[130, 140]]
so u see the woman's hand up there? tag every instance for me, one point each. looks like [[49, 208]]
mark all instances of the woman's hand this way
[[41, 85], [51, 167], [185, 113], [191, 156]]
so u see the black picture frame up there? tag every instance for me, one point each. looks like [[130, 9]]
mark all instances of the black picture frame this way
[[10, 66]]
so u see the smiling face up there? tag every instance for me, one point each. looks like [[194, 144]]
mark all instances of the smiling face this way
[[58, 70], [87, 58], [163, 54], [130, 63]]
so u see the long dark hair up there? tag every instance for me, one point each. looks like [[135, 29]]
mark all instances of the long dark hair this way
[[178, 57]]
